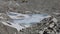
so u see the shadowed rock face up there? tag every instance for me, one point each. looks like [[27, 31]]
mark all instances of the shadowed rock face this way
[[33, 6]]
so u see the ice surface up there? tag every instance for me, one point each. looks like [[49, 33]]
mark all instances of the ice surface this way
[[21, 21], [27, 18]]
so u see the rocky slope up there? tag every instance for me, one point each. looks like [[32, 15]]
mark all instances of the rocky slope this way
[[50, 7]]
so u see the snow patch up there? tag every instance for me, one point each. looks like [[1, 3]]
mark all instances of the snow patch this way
[[21, 21]]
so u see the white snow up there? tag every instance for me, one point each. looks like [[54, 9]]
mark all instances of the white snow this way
[[17, 26], [14, 15], [26, 18], [25, 21]]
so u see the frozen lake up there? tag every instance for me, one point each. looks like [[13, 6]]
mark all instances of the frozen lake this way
[[27, 18], [20, 21]]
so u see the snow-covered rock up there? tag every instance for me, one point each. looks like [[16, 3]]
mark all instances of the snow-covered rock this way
[[21, 21], [17, 26]]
